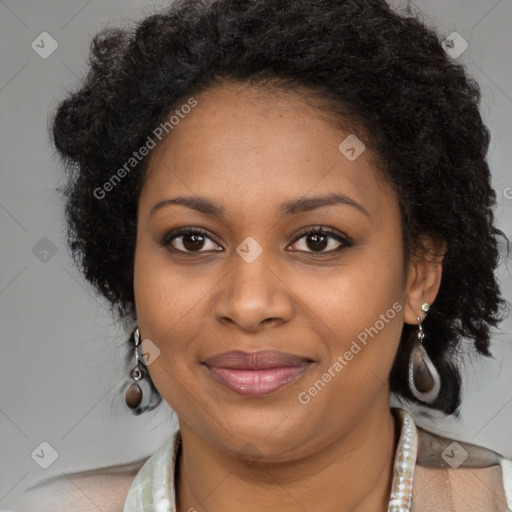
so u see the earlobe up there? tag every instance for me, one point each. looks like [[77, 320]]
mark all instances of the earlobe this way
[[423, 279]]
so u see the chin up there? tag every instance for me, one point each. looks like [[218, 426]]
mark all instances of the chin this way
[[265, 437]]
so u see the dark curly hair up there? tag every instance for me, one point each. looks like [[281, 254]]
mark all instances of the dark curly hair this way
[[384, 73]]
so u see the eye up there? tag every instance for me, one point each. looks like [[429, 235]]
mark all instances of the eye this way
[[319, 238], [189, 240]]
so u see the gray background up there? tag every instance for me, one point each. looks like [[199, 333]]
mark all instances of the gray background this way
[[61, 366]]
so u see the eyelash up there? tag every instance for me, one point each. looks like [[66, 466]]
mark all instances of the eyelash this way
[[345, 241]]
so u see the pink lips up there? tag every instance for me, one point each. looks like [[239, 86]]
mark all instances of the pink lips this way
[[257, 373]]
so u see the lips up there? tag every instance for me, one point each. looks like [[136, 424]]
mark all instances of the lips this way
[[256, 373], [263, 360]]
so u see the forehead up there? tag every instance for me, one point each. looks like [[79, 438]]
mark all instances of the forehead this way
[[245, 144]]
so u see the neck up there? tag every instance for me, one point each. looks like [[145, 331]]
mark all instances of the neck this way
[[351, 474]]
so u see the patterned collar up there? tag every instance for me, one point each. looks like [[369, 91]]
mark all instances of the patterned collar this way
[[152, 490]]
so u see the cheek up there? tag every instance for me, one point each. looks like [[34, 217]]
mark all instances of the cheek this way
[[361, 308], [355, 295], [164, 310], [164, 296], [161, 306]]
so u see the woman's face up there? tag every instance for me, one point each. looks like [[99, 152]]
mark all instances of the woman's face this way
[[253, 166]]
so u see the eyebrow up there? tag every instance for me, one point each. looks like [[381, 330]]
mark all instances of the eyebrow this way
[[288, 208]]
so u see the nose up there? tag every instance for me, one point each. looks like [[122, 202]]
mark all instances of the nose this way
[[253, 296]]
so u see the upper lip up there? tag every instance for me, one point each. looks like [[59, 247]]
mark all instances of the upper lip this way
[[264, 359]]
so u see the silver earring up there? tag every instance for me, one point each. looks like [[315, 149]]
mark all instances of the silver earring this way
[[134, 394], [424, 379], [141, 395]]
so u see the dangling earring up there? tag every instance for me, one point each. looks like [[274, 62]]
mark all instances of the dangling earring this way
[[140, 395], [134, 394], [424, 379]]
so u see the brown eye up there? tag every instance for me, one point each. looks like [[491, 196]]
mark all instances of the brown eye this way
[[319, 239], [192, 242], [189, 240], [317, 242]]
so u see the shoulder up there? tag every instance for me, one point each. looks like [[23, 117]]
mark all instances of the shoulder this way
[[463, 489], [454, 475], [103, 489]]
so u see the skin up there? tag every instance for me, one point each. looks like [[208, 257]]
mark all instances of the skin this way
[[251, 150]]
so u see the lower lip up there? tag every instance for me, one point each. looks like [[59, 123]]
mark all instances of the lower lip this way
[[257, 382]]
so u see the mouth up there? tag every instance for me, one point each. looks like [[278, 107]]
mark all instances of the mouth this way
[[256, 373]]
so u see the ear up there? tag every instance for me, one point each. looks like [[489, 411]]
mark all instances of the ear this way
[[423, 277]]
